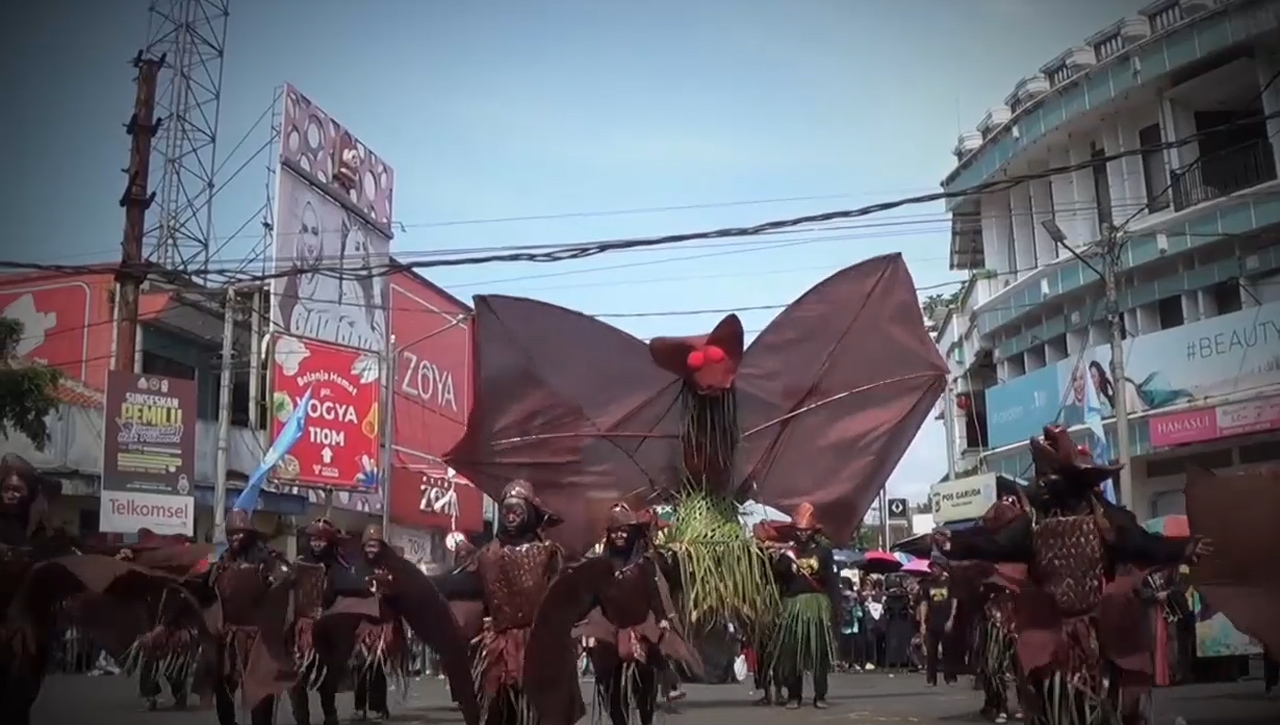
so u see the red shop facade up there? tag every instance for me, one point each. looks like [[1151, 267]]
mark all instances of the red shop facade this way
[[432, 397]]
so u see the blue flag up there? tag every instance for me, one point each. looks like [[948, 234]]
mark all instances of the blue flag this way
[[289, 434], [1093, 420]]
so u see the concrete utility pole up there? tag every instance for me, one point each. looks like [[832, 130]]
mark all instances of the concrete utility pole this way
[[949, 422], [1111, 276], [136, 200], [884, 518], [225, 376], [388, 434]]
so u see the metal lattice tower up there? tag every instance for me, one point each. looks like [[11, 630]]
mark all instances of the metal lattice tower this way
[[191, 36]]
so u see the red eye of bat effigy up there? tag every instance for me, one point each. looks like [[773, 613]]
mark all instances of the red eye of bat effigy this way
[[709, 355]]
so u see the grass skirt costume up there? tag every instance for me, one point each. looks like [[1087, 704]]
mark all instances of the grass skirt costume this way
[[1074, 619], [803, 637]]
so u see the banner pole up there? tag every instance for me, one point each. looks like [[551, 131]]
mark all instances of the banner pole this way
[[385, 420]]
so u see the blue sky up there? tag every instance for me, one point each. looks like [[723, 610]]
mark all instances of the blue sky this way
[[493, 109]]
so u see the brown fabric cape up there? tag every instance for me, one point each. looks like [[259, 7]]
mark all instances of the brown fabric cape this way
[[577, 406], [1237, 513]]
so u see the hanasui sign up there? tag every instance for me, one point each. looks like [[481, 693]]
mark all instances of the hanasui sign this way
[[150, 439], [339, 447]]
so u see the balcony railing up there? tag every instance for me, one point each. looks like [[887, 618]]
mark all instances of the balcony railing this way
[[1224, 173], [1165, 18]]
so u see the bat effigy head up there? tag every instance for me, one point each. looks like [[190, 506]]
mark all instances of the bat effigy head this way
[[708, 364]]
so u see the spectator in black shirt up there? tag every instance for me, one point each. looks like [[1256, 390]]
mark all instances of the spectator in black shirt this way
[[937, 616]]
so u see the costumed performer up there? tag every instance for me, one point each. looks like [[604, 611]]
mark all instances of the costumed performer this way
[[1073, 541], [764, 634], [40, 571], [168, 653], [621, 603], [240, 581], [805, 634], [510, 575], [318, 574], [382, 644]]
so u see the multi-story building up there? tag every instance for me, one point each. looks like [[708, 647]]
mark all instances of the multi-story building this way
[[1182, 104]]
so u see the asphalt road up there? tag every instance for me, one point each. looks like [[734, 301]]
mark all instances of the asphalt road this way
[[855, 698]]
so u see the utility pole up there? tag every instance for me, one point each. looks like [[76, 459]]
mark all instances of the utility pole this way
[[136, 200], [949, 422], [1111, 276], [388, 434], [225, 376], [884, 518]]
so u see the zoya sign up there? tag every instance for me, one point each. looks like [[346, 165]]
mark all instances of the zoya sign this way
[[424, 380]]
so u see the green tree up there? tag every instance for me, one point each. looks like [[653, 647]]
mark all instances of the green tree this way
[[28, 393]]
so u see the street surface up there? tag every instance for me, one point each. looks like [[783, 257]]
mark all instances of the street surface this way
[[855, 698]]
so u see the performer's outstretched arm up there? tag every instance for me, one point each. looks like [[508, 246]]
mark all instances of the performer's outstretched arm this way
[[1010, 544], [1135, 545]]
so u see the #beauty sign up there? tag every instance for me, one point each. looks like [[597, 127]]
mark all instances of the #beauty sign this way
[[339, 447]]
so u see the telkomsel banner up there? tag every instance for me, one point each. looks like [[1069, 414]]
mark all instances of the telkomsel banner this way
[[149, 454], [333, 232]]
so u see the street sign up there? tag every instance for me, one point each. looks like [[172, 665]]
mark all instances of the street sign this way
[[899, 509]]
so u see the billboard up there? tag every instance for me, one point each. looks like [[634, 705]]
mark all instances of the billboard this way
[[962, 499], [66, 322], [432, 390], [339, 447], [1217, 356], [148, 454], [333, 231], [432, 372]]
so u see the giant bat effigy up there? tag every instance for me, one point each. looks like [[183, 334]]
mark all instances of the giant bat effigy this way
[[820, 407]]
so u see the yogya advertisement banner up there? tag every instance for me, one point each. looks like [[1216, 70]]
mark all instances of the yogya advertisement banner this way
[[1218, 356], [148, 454], [339, 448]]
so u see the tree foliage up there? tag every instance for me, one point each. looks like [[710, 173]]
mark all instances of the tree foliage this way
[[28, 393], [939, 301]]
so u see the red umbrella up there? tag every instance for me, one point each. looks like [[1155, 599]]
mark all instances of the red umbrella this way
[[879, 562]]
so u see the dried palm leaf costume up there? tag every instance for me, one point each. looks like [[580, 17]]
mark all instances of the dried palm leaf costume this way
[[381, 643], [803, 639], [1073, 616], [820, 407], [41, 571], [510, 576], [764, 636], [169, 652], [620, 601]]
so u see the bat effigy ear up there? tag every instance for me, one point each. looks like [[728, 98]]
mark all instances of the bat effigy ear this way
[[672, 354], [728, 336]]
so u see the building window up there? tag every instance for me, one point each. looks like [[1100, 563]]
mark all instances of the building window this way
[[1170, 310], [1226, 297], [1102, 191], [153, 364], [1155, 174]]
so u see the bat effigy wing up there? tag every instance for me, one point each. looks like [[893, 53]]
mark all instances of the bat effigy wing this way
[[569, 403], [832, 392]]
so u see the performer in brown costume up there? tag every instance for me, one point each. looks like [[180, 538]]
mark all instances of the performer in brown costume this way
[[40, 570], [382, 645], [241, 579], [320, 573], [996, 643], [511, 575], [1065, 619], [621, 602], [169, 652]]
